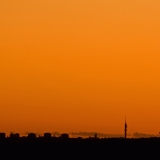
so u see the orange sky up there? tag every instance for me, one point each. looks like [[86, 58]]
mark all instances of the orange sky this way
[[79, 65]]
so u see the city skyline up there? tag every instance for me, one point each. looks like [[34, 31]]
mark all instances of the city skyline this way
[[85, 134]]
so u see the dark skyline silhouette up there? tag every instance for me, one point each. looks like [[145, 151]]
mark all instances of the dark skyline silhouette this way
[[65, 146], [83, 135]]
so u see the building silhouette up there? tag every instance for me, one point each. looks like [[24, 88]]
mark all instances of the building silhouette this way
[[125, 129], [65, 136], [47, 135], [14, 135], [31, 135], [2, 135]]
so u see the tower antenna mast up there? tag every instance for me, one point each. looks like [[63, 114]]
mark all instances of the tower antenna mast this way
[[125, 129]]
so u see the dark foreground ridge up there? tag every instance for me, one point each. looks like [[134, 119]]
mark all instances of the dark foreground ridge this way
[[63, 147]]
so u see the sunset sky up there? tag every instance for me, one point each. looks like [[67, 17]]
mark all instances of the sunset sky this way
[[80, 65]]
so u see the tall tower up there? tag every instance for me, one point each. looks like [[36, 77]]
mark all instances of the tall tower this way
[[125, 129]]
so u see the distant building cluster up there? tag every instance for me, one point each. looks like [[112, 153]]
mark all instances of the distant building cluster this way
[[49, 135], [33, 136]]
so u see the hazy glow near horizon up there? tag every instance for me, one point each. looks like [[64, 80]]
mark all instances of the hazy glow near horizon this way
[[80, 65]]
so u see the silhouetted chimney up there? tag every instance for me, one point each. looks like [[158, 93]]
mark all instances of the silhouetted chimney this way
[[95, 136]]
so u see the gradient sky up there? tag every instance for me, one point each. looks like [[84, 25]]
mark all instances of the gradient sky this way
[[80, 65]]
